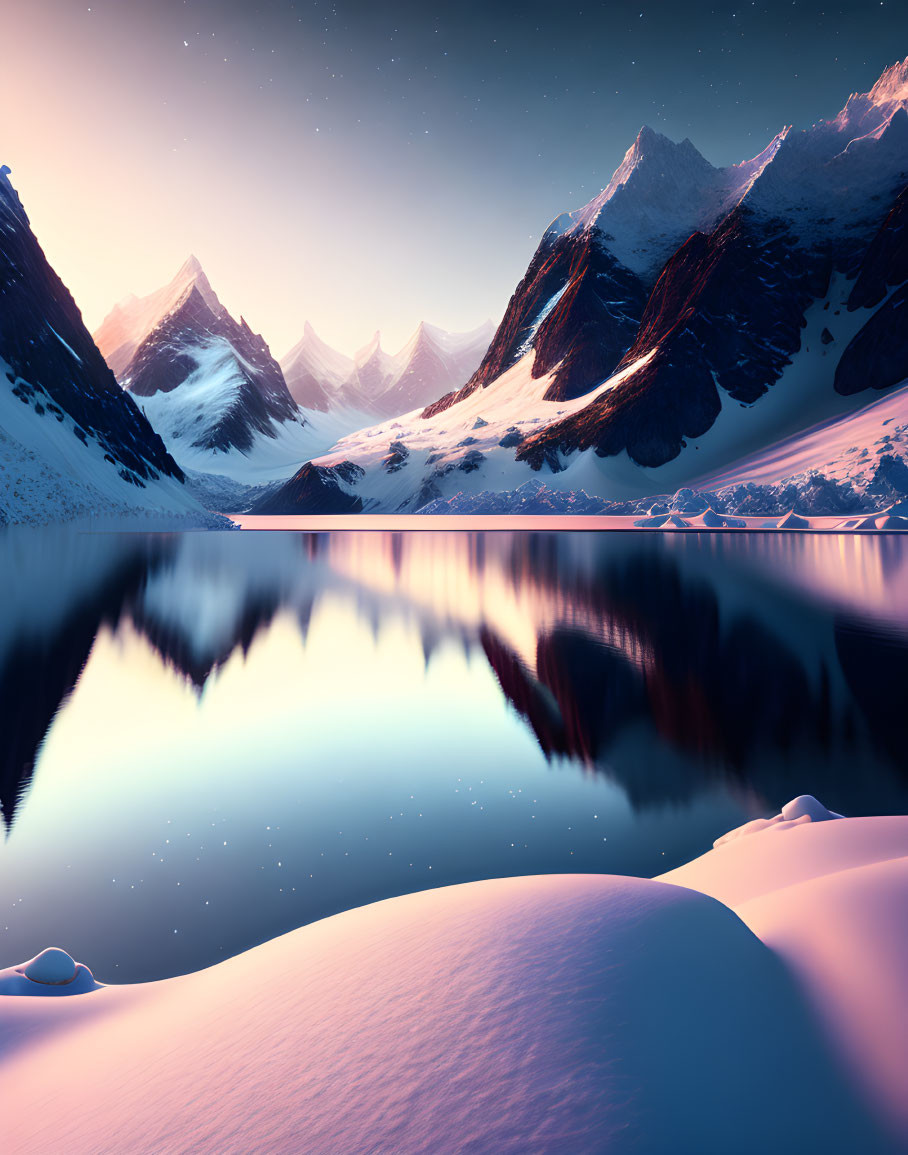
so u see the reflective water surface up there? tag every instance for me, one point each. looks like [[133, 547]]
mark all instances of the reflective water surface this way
[[210, 739]]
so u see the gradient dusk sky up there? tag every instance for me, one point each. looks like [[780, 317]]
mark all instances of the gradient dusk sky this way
[[367, 165]]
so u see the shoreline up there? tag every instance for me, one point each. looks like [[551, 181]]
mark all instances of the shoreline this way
[[571, 523]]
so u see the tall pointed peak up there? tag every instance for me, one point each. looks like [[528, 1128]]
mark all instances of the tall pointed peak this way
[[191, 267]]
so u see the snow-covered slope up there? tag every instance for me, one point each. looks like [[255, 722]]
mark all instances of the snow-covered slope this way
[[72, 444], [403, 464], [685, 319]]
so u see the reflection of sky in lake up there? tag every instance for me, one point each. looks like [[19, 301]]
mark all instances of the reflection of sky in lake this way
[[271, 728]]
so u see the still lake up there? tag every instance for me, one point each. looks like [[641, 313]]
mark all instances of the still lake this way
[[212, 738]]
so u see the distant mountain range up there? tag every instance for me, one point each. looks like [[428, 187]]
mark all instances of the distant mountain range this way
[[687, 318], [72, 443], [723, 330], [224, 405], [379, 384]]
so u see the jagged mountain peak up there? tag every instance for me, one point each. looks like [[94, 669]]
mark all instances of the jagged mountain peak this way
[[371, 347], [191, 275], [655, 159], [431, 361], [865, 112], [206, 381], [651, 143], [129, 322], [316, 373], [191, 267], [892, 85], [445, 341], [675, 185]]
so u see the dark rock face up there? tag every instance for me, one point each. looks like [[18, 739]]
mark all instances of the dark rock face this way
[[350, 472], [188, 336], [314, 489], [886, 262], [877, 357], [593, 323], [577, 305], [727, 310], [890, 481], [398, 455], [55, 366], [512, 438], [471, 461]]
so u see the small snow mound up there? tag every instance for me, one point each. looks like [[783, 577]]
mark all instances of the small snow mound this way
[[804, 808], [891, 521], [52, 972], [791, 520], [663, 521], [51, 966], [807, 805]]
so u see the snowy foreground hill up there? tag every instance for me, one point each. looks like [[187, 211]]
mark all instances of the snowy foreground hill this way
[[750, 1001], [72, 444], [686, 319]]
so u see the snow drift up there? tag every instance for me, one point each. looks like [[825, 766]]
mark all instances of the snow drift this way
[[543, 1013]]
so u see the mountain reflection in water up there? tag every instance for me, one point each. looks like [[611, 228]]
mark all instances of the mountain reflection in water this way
[[700, 678]]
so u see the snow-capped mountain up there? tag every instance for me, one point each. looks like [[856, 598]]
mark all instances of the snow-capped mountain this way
[[72, 444], [204, 379], [207, 383], [686, 317], [374, 383]]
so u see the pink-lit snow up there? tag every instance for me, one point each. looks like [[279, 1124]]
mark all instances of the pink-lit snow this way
[[550, 1013]]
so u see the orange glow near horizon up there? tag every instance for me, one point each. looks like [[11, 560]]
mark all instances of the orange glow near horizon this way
[[130, 150]]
